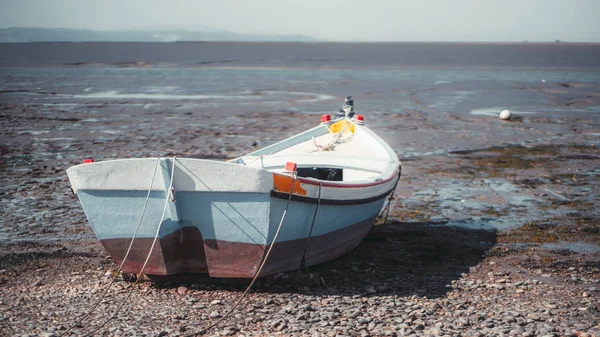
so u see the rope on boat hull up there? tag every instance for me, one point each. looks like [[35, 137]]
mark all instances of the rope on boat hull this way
[[167, 197], [212, 325], [120, 268]]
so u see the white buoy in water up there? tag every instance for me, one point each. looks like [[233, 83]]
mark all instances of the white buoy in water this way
[[505, 115], [543, 81]]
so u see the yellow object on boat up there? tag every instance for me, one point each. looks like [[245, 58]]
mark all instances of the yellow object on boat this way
[[343, 125]]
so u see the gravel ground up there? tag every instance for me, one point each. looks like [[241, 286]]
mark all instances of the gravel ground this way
[[419, 274], [407, 280]]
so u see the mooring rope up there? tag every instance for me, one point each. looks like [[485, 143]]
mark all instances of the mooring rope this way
[[312, 224], [112, 281], [168, 192], [386, 209], [212, 325]]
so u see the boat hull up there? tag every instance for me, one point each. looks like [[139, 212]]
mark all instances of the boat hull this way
[[226, 234], [217, 218], [186, 252]]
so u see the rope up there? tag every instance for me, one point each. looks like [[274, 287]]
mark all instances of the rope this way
[[386, 209], [337, 138], [168, 191], [303, 261], [95, 305], [257, 272]]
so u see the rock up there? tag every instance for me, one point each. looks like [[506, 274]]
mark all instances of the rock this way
[[516, 331], [214, 314], [182, 290], [305, 307]]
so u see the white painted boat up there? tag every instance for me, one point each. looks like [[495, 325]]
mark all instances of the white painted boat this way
[[220, 218]]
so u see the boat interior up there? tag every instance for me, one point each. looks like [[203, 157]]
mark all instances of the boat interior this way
[[353, 153]]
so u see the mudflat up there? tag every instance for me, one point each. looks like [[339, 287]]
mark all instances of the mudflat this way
[[494, 229]]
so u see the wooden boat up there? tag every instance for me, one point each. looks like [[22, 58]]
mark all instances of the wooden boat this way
[[318, 193]]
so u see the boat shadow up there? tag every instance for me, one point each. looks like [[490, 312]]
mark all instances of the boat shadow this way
[[404, 259], [397, 258]]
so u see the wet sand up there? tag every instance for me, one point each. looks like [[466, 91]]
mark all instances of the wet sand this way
[[494, 231]]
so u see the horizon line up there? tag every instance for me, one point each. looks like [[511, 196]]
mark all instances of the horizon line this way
[[309, 39], [313, 41]]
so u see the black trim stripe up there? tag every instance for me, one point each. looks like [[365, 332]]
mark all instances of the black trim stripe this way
[[310, 200]]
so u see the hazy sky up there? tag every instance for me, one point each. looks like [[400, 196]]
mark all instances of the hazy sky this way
[[358, 20]]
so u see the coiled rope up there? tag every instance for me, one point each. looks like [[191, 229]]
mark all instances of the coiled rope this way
[[212, 325], [112, 281], [337, 138]]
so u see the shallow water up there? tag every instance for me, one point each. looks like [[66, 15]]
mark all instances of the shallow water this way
[[577, 247]]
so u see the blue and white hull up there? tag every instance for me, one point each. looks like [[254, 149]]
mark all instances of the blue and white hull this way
[[220, 218]]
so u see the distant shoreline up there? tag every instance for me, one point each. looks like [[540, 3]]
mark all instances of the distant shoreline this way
[[322, 42]]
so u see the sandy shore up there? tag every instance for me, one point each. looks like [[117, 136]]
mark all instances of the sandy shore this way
[[495, 238]]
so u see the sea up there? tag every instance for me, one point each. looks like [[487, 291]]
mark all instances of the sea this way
[[238, 77]]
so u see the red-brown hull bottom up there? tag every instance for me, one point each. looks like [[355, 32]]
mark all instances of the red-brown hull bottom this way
[[186, 252]]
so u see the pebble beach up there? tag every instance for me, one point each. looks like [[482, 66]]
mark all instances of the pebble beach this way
[[494, 228]]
